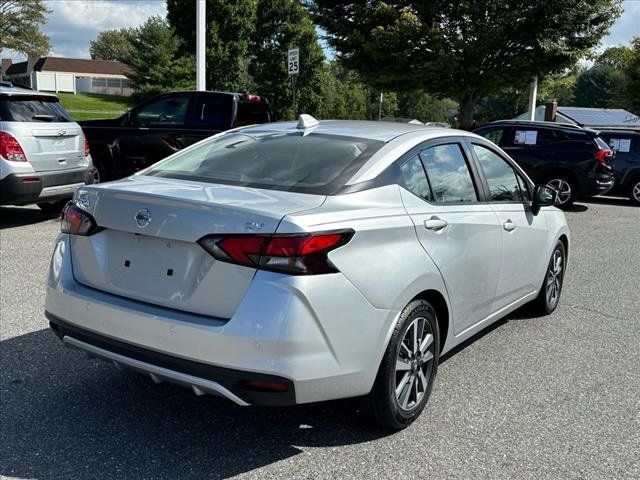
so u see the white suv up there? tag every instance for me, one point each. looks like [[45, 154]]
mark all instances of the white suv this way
[[44, 156]]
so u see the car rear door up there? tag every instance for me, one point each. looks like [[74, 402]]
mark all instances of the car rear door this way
[[524, 235], [458, 231]]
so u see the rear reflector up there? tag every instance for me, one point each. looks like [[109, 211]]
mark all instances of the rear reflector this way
[[265, 386], [10, 149], [30, 180], [77, 222], [304, 254]]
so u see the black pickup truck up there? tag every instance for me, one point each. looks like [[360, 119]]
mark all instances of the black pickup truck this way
[[165, 124]]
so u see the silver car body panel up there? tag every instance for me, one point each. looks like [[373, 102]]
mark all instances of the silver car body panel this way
[[326, 333]]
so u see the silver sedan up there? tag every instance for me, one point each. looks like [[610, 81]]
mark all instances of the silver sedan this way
[[299, 262]]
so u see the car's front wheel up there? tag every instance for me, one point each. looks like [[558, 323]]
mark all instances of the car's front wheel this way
[[408, 368]]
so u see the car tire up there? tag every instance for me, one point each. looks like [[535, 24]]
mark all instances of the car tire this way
[[52, 207], [634, 191], [408, 369], [551, 288], [566, 187]]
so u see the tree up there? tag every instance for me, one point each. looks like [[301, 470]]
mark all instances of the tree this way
[[601, 86], [20, 22], [154, 60], [280, 25], [632, 73], [112, 45], [229, 28], [464, 50]]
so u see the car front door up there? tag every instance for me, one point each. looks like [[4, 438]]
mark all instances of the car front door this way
[[157, 130], [524, 235], [459, 232]]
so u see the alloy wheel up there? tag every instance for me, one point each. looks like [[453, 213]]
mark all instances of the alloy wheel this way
[[414, 363], [564, 189], [554, 278], [635, 192]]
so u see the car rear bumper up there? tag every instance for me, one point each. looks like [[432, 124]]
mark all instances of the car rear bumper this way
[[316, 334], [36, 187], [597, 184]]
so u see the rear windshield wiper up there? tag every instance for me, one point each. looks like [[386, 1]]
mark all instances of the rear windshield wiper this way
[[43, 118]]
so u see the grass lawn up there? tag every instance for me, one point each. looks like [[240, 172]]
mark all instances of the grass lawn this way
[[83, 106]]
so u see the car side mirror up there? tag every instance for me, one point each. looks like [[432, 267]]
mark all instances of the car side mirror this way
[[543, 196]]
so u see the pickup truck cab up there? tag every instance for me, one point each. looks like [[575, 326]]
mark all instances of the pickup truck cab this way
[[164, 124]]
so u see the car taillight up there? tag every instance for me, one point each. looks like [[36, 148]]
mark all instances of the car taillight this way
[[602, 154], [77, 222], [86, 147], [11, 149], [304, 254]]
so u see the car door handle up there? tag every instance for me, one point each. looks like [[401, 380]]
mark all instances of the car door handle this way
[[435, 224], [509, 225]]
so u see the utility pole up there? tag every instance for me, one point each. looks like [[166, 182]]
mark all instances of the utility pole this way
[[380, 107], [533, 95], [201, 30]]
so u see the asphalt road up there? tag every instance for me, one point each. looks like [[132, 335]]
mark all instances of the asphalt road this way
[[555, 397]]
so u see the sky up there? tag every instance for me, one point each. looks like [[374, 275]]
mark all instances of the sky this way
[[74, 23]]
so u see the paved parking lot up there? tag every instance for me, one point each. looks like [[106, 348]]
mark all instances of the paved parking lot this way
[[555, 397]]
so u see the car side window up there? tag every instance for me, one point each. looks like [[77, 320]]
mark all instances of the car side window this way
[[448, 174], [503, 181], [494, 135], [163, 112], [415, 179]]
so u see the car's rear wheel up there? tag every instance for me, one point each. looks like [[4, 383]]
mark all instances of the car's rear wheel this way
[[52, 207], [566, 187], [408, 368], [634, 191], [551, 288]]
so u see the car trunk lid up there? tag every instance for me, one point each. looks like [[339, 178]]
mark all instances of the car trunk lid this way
[[148, 249]]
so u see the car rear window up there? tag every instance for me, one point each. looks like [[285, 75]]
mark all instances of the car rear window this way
[[32, 109], [601, 143], [311, 163]]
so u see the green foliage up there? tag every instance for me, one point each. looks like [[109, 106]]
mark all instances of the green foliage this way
[[112, 45], [153, 56], [230, 25], [616, 57], [280, 25], [601, 86], [20, 23], [84, 106], [464, 50], [632, 72]]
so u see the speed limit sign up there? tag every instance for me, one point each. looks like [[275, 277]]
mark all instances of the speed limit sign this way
[[293, 61]]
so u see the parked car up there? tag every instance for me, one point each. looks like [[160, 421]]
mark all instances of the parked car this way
[[575, 161], [626, 144], [44, 156], [164, 124], [291, 263]]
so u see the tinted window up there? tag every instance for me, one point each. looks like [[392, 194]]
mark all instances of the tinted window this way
[[32, 109], [252, 112], [448, 174], [494, 135], [314, 163], [162, 112], [501, 177], [415, 179], [214, 111]]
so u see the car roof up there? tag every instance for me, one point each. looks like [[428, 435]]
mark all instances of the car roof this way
[[6, 90], [536, 123], [370, 130]]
